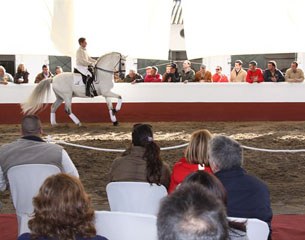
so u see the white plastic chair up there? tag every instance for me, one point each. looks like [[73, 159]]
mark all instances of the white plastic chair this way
[[127, 226], [256, 229], [136, 197], [25, 181]]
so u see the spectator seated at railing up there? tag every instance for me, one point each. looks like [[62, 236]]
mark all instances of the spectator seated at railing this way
[[203, 75], [254, 74], [22, 75], [171, 74], [272, 74], [58, 70], [294, 74], [219, 76], [44, 74], [5, 77], [187, 73], [133, 77], [238, 74], [154, 75]]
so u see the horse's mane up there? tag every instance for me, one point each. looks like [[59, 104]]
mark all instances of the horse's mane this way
[[105, 55]]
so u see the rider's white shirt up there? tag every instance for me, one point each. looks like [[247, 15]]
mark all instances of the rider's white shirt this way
[[83, 60]]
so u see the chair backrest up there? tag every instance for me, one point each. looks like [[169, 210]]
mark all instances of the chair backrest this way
[[127, 226], [136, 197], [25, 181], [256, 229]]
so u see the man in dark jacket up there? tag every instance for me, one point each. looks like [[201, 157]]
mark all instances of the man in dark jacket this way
[[248, 196], [272, 74]]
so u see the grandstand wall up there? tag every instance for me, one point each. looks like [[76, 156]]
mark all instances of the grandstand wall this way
[[174, 102]]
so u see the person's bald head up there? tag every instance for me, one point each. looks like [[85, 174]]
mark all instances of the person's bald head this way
[[31, 125]]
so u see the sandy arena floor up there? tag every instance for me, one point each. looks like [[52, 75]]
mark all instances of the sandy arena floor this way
[[283, 172]]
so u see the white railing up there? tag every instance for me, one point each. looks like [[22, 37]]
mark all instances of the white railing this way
[[180, 92]]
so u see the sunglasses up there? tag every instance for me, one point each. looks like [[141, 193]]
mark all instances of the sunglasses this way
[[217, 69]]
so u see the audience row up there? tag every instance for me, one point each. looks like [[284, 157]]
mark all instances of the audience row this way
[[238, 74], [210, 176], [22, 75]]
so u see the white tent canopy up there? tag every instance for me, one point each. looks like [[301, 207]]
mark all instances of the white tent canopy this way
[[141, 28], [222, 27], [134, 27]]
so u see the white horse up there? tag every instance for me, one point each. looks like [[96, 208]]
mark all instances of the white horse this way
[[65, 88]]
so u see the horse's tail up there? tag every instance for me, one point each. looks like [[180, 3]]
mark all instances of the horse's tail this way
[[36, 99]]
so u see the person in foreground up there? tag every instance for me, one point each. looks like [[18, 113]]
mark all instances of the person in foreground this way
[[142, 161], [62, 211], [192, 212], [248, 196], [237, 230], [32, 149], [196, 158]]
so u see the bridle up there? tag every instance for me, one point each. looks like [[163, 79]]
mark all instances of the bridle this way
[[120, 71]]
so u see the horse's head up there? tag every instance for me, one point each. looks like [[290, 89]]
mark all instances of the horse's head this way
[[113, 63], [122, 67]]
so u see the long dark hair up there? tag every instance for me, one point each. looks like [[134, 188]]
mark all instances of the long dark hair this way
[[142, 135], [212, 183]]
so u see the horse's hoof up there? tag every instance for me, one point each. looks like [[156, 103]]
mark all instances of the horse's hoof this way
[[79, 124], [54, 124], [116, 123]]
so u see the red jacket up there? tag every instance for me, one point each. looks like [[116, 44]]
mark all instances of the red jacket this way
[[182, 169], [150, 78], [219, 78], [257, 73]]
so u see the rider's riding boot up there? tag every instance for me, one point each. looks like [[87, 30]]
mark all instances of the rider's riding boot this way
[[94, 92], [88, 85]]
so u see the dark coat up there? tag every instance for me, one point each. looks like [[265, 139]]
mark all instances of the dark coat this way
[[24, 75], [248, 196]]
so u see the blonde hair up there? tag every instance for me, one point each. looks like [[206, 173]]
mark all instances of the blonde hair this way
[[21, 67], [197, 150]]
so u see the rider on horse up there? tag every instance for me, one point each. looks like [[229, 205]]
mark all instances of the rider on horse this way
[[85, 65]]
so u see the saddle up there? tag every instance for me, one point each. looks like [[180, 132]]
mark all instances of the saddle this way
[[88, 81]]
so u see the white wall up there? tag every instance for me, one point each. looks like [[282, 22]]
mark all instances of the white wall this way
[[131, 63], [301, 60], [180, 92]]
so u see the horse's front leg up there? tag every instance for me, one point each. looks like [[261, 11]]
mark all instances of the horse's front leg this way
[[112, 111], [108, 95], [119, 104]]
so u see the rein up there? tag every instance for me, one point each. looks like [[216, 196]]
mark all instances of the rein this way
[[113, 72]]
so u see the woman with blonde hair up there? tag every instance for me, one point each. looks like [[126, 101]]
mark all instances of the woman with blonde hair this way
[[195, 158], [62, 211], [22, 75]]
